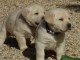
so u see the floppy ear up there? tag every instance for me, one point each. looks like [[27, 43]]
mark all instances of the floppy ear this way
[[27, 19], [25, 13], [49, 17]]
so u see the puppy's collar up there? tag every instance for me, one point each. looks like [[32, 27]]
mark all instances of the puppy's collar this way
[[48, 29]]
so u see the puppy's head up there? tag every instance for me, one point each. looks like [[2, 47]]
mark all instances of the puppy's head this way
[[33, 14], [58, 20]]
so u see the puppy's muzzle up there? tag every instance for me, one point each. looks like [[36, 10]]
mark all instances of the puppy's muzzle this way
[[37, 23], [69, 26]]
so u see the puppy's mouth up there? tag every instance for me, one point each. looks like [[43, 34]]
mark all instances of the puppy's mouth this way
[[65, 30], [60, 31]]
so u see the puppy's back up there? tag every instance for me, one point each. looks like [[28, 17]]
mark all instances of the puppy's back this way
[[10, 23]]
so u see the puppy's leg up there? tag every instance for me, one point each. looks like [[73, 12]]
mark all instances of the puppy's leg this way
[[40, 51], [60, 50], [21, 40], [2, 35]]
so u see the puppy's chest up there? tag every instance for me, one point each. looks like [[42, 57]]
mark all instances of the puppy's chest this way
[[51, 41], [51, 45]]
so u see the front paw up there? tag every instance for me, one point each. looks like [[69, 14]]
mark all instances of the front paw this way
[[49, 58], [22, 48]]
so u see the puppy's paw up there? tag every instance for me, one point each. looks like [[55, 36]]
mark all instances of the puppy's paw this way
[[49, 58], [23, 48], [1, 42]]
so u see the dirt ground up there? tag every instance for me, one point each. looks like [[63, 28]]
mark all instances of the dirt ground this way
[[10, 51]]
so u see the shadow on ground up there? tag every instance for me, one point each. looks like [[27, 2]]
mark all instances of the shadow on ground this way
[[74, 7], [11, 42], [31, 51]]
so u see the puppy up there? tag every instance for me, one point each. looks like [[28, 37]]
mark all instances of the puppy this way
[[50, 33], [23, 22]]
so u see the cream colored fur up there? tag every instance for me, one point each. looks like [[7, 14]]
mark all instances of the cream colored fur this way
[[23, 22], [58, 20]]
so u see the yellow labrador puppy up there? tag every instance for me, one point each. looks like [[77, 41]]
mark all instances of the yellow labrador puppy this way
[[50, 33], [23, 22]]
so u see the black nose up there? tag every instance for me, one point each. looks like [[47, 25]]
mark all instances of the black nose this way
[[42, 18], [69, 26]]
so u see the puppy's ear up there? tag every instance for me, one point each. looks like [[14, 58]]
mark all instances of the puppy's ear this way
[[25, 12], [49, 17]]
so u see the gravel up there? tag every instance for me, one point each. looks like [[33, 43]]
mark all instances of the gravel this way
[[72, 48]]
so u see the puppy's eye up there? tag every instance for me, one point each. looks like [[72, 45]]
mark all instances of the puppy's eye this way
[[36, 13], [44, 12], [69, 18], [61, 19]]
